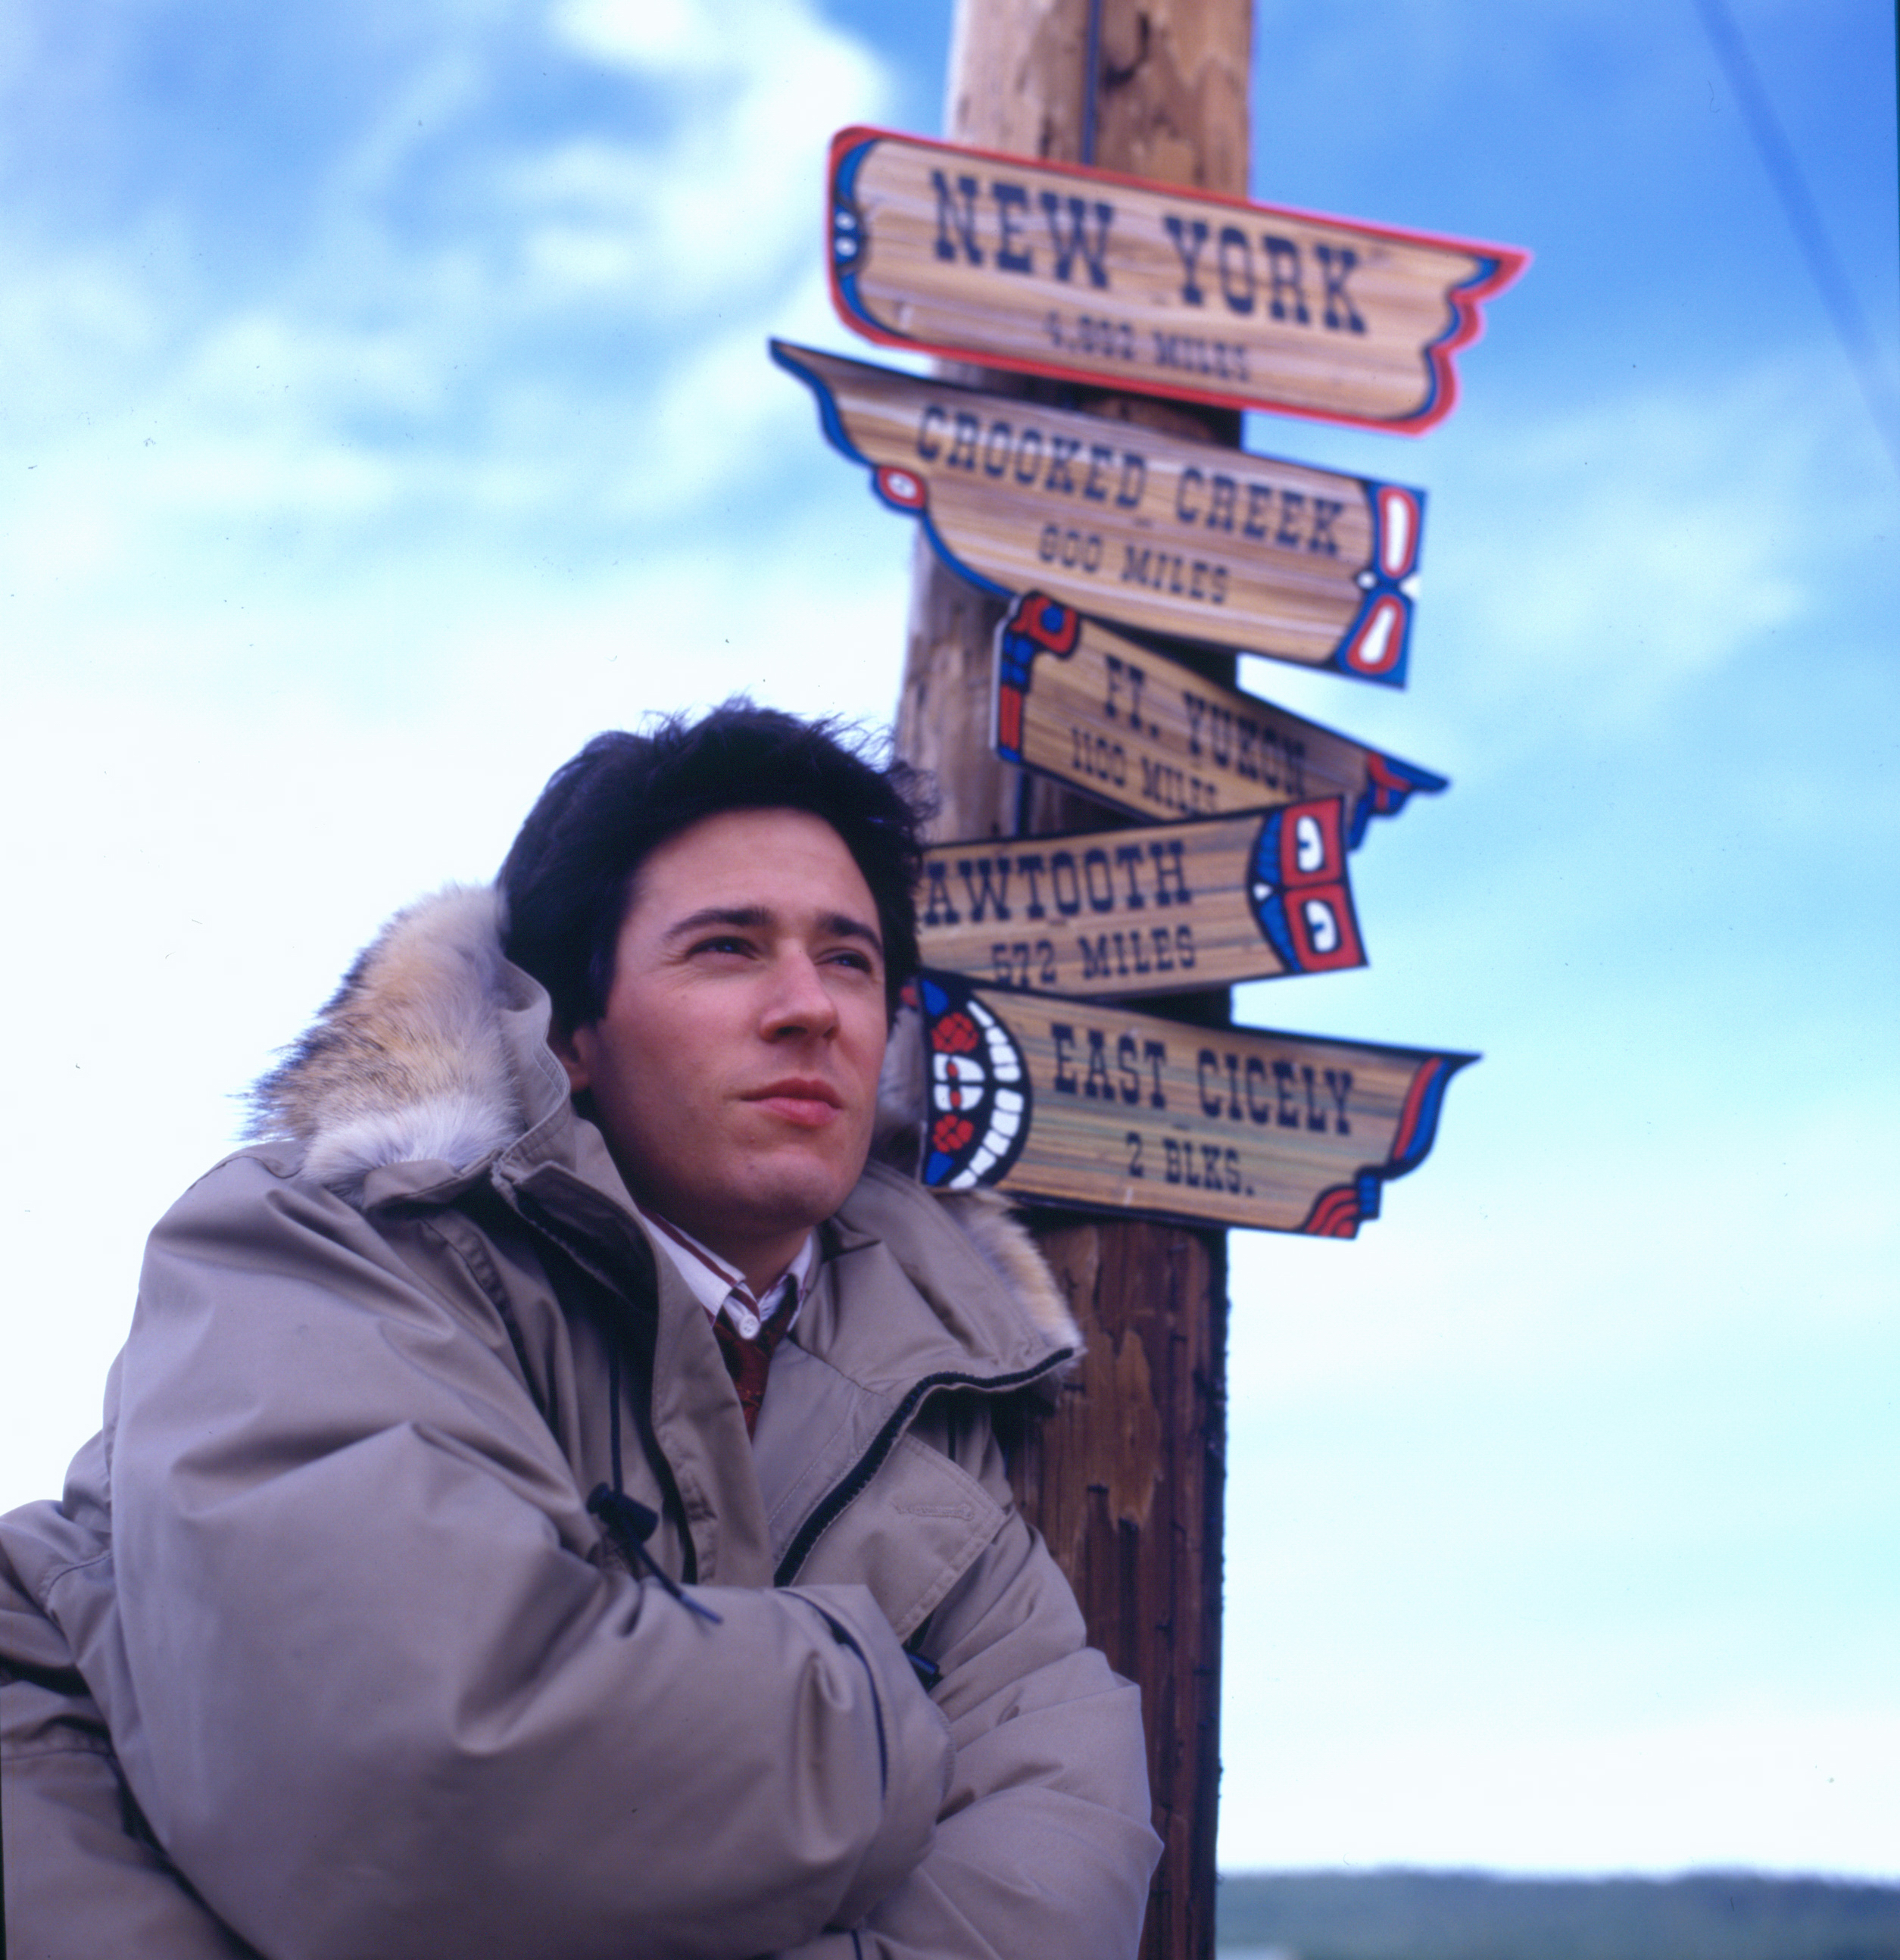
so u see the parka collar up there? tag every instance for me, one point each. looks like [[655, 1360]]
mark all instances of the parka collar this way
[[429, 1072]]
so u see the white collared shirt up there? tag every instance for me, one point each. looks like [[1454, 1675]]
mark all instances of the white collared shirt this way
[[720, 1289]]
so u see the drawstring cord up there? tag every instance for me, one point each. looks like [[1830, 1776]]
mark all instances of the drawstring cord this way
[[628, 1522]]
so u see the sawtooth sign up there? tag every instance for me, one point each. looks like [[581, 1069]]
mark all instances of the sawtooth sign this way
[[1155, 910], [1081, 1102], [1220, 546], [1091, 276], [1074, 700]]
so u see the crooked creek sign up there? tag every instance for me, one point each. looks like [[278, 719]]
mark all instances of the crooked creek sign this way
[[1180, 538], [1084, 1103], [1160, 909], [1129, 726], [1120, 283]]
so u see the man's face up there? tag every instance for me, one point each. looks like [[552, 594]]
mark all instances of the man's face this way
[[734, 1071]]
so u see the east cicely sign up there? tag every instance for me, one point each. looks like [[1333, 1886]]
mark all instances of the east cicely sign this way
[[1087, 1103], [1104, 279], [1153, 531]]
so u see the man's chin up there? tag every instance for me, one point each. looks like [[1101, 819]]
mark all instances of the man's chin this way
[[783, 1194]]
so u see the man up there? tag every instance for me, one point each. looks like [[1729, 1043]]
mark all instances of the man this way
[[548, 1503]]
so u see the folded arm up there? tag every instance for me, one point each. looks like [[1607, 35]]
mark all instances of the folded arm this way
[[387, 1702], [1044, 1845]]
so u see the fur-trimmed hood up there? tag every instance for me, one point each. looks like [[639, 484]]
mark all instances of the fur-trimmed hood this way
[[406, 1061], [411, 1061]]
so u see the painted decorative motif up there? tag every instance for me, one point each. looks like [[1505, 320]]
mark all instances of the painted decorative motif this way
[[1298, 889], [978, 1088]]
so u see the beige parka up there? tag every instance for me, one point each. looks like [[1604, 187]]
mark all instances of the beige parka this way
[[323, 1653]]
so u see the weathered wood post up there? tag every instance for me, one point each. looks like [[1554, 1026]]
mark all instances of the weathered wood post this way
[[1125, 1480]]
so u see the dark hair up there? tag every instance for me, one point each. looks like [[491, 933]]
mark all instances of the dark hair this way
[[569, 875]]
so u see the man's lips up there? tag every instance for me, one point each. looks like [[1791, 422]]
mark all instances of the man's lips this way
[[810, 1103]]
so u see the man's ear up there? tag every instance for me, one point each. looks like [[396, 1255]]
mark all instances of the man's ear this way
[[574, 1049]]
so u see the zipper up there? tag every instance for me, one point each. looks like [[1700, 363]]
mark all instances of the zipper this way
[[852, 1484]]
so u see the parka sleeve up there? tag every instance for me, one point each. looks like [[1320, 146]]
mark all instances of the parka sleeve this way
[[386, 1703], [79, 1879], [1045, 1845]]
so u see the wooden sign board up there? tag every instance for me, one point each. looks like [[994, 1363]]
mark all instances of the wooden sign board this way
[[1158, 910], [1084, 1103], [1128, 727], [1222, 546], [1090, 276]]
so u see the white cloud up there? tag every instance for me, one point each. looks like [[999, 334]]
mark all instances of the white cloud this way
[[1591, 568], [757, 89], [1653, 540], [576, 342], [674, 36]]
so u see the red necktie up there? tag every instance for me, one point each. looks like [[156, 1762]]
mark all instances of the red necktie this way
[[747, 1360]]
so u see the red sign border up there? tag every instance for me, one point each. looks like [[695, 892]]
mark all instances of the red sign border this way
[[1468, 325]]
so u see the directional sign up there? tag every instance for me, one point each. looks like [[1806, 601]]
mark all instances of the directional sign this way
[[1200, 543], [1052, 268], [1084, 1103], [1133, 728], [1167, 907]]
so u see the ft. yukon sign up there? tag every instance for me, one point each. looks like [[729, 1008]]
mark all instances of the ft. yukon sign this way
[[1203, 544], [1135, 729], [1084, 1103], [1156, 910], [1093, 277]]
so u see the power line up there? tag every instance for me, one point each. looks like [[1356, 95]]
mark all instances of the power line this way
[[1785, 173]]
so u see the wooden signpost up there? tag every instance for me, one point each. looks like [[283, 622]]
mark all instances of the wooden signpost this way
[[1076, 700], [1122, 913], [1169, 302], [1150, 530], [1084, 1103], [1055, 269]]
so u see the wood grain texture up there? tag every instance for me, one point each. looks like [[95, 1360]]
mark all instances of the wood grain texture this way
[[1125, 1480], [1170, 95], [1152, 735], [1102, 278], [1245, 551], [1115, 914]]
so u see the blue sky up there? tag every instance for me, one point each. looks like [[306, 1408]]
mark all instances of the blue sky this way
[[384, 408]]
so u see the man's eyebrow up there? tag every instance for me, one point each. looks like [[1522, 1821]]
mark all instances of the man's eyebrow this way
[[755, 917], [845, 927]]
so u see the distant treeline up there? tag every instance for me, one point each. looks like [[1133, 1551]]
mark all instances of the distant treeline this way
[[1402, 1915]]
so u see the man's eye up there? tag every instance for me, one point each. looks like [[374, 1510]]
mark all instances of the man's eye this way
[[724, 943], [851, 956]]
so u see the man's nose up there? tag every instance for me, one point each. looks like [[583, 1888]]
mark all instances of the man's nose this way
[[800, 1002]]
